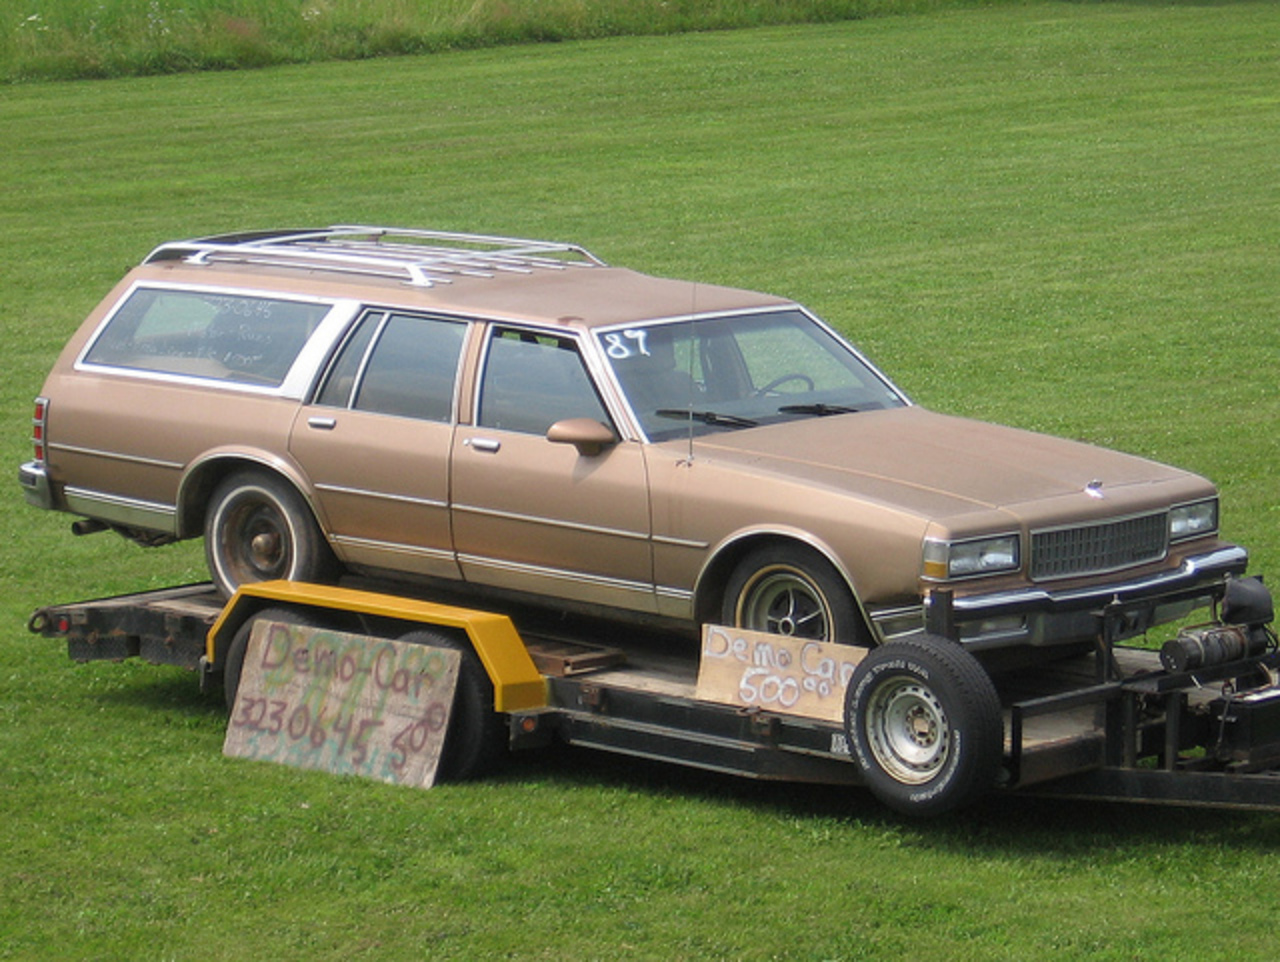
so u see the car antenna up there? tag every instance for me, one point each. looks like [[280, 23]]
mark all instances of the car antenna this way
[[693, 311]]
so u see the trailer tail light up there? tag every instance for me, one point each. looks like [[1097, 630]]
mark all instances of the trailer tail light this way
[[39, 427]]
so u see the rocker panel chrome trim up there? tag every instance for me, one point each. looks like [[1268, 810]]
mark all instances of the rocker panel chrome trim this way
[[558, 574], [120, 510]]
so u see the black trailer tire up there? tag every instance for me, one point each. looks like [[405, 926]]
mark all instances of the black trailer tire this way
[[789, 589], [924, 722], [259, 528], [476, 742], [233, 664]]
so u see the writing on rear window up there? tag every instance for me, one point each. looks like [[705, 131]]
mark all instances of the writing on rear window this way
[[248, 339]]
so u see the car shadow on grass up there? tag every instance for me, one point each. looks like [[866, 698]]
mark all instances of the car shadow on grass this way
[[158, 689], [1002, 824]]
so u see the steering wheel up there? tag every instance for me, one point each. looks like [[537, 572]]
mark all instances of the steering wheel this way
[[783, 379]]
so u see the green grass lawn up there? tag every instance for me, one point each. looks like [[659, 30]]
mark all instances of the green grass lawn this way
[[1056, 215], [116, 38]]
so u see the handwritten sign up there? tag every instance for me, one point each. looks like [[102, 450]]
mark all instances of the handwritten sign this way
[[793, 676], [347, 704]]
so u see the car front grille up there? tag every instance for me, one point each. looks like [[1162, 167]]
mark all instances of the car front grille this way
[[1096, 548]]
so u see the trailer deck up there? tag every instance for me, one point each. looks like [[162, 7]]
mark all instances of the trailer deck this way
[[1110, 724]]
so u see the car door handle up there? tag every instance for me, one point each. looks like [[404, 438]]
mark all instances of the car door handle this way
[[322, 424], [487, 445]]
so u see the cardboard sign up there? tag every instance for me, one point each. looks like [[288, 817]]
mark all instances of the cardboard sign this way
[[346, 704], [792, 676]]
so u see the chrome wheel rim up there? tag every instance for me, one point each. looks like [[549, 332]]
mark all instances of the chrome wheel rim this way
[[783, 601]]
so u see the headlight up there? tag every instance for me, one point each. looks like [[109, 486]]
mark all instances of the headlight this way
[[1193, 520], [967, 559]]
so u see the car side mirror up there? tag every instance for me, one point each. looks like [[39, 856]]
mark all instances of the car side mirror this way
[[588, 435]]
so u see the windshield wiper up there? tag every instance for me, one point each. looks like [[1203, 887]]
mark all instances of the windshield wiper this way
[[821, 410], [706, 417]]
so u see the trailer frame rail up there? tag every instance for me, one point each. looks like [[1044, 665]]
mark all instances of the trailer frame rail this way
[[1116, 726]]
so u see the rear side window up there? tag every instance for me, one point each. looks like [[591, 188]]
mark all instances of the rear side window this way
[[225, 337], [397, 364]]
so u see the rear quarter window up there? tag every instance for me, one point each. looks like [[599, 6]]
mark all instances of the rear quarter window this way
[[225, 337]]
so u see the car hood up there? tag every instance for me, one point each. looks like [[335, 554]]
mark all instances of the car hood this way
[[938, 466]]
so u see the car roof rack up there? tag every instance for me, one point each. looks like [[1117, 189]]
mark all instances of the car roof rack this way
[[423, 258]]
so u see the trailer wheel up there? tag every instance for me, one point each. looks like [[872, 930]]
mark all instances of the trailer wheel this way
[[788, 589], [476, 742], [924, 721], [233, 666], [259, 528]]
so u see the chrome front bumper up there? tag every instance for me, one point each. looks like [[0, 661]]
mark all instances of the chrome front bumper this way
[[1044, 617]]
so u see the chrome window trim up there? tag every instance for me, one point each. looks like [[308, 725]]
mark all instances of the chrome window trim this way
[[380, 325], [396, 547], [559, 574]]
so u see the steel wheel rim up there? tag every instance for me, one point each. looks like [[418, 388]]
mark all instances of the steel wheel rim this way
[[783, 601], [907, 731], [256, 545]]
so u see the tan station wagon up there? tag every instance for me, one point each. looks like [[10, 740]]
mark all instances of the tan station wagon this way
[[518, 416]]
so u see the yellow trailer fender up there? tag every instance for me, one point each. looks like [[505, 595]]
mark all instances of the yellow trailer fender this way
[[517, 684]]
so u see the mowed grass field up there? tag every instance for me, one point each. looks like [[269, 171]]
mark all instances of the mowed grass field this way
[[1057, 215]]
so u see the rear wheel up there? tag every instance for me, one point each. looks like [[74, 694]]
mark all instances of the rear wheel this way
[[476, 741], [787, 589], [259, 528], [924, 721], [233, 664]]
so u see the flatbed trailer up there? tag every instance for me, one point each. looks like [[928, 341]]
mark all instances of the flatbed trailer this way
[[1116, 723]]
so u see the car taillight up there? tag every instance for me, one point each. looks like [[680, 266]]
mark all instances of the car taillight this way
[[39, 423]]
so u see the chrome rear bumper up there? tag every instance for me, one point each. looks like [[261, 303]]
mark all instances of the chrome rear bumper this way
[[35, 485]]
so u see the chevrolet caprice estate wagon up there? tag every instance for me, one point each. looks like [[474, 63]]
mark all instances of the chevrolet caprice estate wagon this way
[[516, 415]]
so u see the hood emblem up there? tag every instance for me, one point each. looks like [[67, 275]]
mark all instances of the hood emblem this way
[[1094, 490]]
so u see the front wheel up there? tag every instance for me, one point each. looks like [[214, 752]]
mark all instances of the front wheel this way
[[924, 722], [787, 589], [259, 528]]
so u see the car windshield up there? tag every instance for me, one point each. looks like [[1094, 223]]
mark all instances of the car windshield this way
[[740, 371]]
